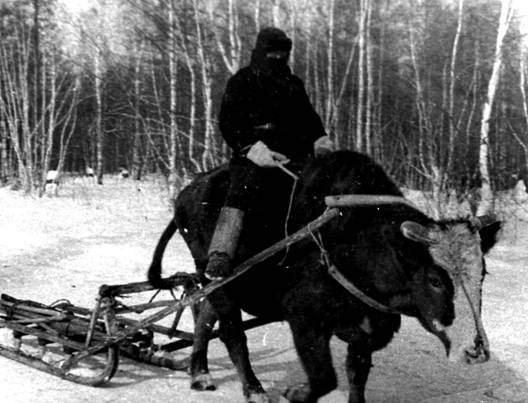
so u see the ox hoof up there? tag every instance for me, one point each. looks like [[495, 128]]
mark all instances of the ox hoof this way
[[202, 382], [258, 397], [299, 393]]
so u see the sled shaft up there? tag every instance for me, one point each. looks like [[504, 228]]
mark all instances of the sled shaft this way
[[196, 296]]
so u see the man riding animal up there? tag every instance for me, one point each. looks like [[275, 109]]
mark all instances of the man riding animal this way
[[268, 121], [425, 269], [430, 270]]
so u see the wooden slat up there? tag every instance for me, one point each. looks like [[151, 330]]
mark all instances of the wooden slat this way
[[349, 200]]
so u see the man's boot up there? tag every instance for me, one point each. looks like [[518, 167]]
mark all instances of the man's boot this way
[[224, 243]]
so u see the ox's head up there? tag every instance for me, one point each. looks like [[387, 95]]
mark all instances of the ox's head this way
[[448, 293]]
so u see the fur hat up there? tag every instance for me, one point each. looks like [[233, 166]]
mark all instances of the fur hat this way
[[271, 40]]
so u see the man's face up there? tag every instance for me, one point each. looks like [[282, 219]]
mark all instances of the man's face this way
[[277, 54]]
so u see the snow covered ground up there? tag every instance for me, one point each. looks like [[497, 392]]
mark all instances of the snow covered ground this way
[[67, 246]]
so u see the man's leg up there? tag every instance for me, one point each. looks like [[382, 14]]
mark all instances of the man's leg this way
[[224, 242], [241, 195]]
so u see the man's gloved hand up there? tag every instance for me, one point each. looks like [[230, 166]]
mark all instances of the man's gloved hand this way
[[266, 127], [323, 145], [261, 155]]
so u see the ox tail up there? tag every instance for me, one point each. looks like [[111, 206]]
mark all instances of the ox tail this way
[[155, 269]]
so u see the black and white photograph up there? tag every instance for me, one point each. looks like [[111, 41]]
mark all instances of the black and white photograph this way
[[264, 201]]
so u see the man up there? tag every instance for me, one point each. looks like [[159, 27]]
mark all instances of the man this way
[[267, 119]]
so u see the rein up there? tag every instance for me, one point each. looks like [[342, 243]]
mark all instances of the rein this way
[[349, 200], [347, 284]]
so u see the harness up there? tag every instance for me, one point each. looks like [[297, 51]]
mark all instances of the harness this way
[[347, 284], [312, 229]]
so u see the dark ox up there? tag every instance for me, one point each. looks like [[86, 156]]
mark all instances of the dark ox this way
[[419, 267]]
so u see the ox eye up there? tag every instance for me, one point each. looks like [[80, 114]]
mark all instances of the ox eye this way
[[435, 282]]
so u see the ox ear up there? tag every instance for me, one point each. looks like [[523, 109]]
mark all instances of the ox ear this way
[[489, 231], [416, 232]]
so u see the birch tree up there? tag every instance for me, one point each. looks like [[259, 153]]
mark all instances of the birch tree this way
[[231, 52], [173, 80], [137, 149], [330, 66], [192, 102], [369, 96], [99, 129], [523, 140], [361, 75], [486, 194], [208, 160], [451, 96]]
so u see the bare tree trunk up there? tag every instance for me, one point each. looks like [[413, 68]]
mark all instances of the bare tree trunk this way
[[257, 15], [471, 114], [4, 165], [137, 156], [38, 95], [451, 96], [361, 77], [51, 124], [158, 145], [339, 99], [523, 140], [173, 79], [486, 194], [308, 60], [330, 67], [230, 56], [9, 106], [275, 8], [317, 92], [378, 109], [293, 36], [99, 134], [68, 122], [370, 80], [27, 133], [192, 103], [208, 154]]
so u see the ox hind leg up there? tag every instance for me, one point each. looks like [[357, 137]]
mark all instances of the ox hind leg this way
[[205, 320], [232, 334]]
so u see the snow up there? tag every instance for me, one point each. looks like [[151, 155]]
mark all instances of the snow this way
[[89, 235]]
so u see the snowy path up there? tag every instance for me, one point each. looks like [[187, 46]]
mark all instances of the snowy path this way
[[67, 247]]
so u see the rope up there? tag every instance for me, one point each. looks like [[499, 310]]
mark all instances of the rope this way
[[318, 239], [290, 206], [476, 318]]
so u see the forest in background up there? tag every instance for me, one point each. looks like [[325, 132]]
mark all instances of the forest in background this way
[[434, 90]]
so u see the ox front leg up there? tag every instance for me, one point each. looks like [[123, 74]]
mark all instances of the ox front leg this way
[[200, 377], [313, 347], [232, 334], [358, 364]]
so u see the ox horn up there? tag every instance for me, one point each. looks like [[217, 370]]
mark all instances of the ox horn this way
[[416, 232]]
